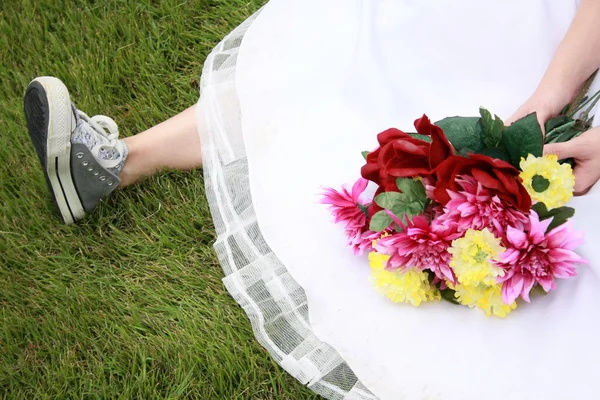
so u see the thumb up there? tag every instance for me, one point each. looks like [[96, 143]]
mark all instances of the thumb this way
[[584, 179], [570, 149]]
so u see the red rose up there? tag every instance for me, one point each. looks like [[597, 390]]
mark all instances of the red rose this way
[[400, 155], [494, 174]]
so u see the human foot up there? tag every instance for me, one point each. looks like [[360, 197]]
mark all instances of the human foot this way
[[81, 156]]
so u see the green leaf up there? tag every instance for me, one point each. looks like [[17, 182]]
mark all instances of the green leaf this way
[[539, 183], [388, 200], [560, 215], [365, 154], [410, 208], [430, 276], [498, 127], [541, 210], [449, 295], [412, 187], [495, 152], [556, 122], [412, 200], [567, 132], [555, 134], [466, 151], [522, 138], [463, 133], [364, 209], [587, 103], [380, 221], [491, 129], [486, 118]]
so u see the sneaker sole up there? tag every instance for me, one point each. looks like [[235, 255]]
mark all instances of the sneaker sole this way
[[50, 123]]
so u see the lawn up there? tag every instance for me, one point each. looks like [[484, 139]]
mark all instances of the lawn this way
[[129, 303]]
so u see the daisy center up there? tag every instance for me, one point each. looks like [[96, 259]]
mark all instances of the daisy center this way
[[539, 183], [481, 255], [538, 264]]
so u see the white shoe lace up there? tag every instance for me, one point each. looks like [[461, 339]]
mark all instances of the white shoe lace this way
[[108, 132]]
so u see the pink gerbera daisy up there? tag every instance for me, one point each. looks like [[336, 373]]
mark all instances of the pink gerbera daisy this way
[[476, 207], [536, 257], [421, 245], [361, 241], [348, 206]]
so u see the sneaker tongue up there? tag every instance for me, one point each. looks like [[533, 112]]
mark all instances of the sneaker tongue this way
[[85, 134], [111, 157]]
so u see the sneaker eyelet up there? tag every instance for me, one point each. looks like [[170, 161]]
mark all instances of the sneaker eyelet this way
[[90, 169], [85, 163], [96, 173], [109, 183], [79, 155], [102, 178]]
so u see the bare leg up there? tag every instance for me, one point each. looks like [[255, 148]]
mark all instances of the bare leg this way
[[173, 144]]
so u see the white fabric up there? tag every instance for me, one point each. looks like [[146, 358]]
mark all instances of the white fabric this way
[[259, 282], [317, 80]]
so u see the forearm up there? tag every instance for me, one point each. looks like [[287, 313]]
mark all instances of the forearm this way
[[578, 55]]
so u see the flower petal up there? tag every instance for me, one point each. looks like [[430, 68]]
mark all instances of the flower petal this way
[[509, 291], [516, 237], [358, 188], [528, 283], [538, 228]]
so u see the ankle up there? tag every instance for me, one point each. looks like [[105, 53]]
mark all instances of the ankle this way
[[136, 165], [128, 177]]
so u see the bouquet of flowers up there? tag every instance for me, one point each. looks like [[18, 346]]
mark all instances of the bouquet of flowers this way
[[467, 210]]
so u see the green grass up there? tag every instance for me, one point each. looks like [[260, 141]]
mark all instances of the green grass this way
[[129, 303]]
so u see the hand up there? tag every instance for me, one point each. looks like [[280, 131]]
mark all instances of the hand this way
[[585, 149], [546, 107]]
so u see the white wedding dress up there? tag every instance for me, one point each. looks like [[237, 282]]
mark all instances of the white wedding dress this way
[[290, 99]]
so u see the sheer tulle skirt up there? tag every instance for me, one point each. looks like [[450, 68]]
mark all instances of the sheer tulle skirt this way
[[274, 302]]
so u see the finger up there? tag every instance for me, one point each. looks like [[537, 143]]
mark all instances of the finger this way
[[585, 178], [542, 121], [571, 149], [582, 193], [517, 115], [561, 150]]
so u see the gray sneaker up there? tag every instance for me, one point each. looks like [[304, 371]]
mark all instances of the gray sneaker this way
[[81, 156]]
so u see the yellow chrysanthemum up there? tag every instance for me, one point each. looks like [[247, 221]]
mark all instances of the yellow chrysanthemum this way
[[472, 255], [411, 286], [488, 298], [547, 181], [378, 261]]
